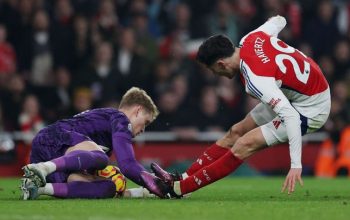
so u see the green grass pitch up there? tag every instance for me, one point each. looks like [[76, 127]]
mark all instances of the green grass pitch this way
[[232, 198]]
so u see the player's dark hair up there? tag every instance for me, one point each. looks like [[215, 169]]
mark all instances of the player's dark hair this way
[[214, 48]]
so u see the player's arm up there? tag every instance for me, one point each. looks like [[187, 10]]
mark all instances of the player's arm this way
[[268, 92], [265, 89], [273, 26], [124, 154]]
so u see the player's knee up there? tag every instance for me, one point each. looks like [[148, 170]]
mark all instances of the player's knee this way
[[231, 136], [244, 146], [236, 131], [101, 159]]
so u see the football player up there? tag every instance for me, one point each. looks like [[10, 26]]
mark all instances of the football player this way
[[65, 153], [294, 100]]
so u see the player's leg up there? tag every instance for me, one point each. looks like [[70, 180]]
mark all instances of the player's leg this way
[[250, 140], [85, 190], [222, 146], [259, 138], [90, 186], [139, 192], [30, 188], [244, 147], [83, 186], [79, 185], [211, 154], [83, 156], [260, 115]]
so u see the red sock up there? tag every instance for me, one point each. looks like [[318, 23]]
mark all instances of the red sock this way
[[211, 173], [210, 155]]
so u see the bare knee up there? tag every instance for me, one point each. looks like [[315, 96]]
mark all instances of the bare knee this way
[[231, 136], [244, 147], [237, 131]]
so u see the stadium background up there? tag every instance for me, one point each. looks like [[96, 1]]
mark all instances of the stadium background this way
[[58, 58]]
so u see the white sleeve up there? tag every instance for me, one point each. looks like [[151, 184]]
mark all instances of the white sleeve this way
[[265, 89], [273, 26]]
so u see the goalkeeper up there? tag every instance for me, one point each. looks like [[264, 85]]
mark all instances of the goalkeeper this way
[[66, 153]]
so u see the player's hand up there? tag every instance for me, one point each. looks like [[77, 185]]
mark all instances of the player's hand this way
[[294, 175]]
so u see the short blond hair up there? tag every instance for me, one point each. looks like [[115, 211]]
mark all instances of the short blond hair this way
[[137, 96]]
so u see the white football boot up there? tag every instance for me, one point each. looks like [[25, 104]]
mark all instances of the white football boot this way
[[29, 189], [36, 173]]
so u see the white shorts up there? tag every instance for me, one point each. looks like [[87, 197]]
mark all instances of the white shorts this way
[[274, 130]]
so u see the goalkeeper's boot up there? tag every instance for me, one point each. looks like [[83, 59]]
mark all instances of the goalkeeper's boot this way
[[167, 177], [29, 189], [36, 173], [158, 187]]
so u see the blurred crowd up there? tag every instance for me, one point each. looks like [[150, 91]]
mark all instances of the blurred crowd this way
[[61, 57]]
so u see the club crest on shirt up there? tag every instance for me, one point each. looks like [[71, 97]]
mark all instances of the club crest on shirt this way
[[130, 127]]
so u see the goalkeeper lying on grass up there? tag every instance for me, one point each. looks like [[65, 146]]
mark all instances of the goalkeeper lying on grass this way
[[66, 155], [109, 173]]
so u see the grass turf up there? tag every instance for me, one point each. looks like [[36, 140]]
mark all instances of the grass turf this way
[[231, 198]]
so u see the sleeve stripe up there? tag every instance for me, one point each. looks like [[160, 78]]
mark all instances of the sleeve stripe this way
[[251, 87], [252, 90]]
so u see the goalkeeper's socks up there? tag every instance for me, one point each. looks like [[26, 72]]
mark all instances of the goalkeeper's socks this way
[[88, 190], [210, 155], [81, 160], [209, 174]]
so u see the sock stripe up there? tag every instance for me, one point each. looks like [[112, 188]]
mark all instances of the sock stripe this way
[[211, 173]]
